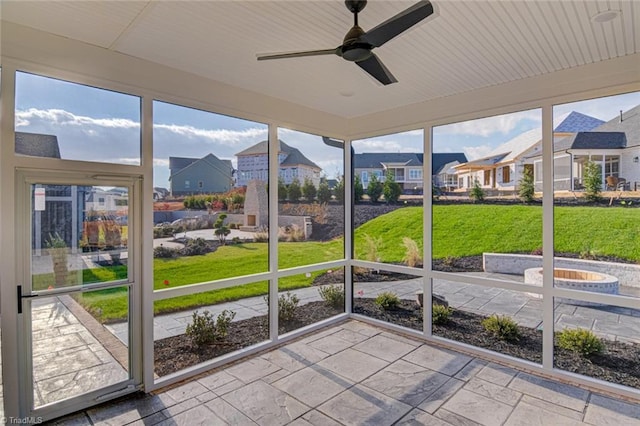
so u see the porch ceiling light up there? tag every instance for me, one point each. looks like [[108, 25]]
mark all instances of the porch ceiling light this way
[[605, 16]]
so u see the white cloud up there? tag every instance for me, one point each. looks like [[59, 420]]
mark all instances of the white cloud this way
[[487, 126], [379, 145], [61, 117], [221, 136]]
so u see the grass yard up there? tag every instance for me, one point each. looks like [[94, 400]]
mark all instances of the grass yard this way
[[458, 230], [466, 229]]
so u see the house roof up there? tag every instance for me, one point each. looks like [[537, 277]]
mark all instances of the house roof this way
[[614, 134], [224, 166], [375, 160], [179, 163], [577, 122], [484, 162], [37, 145], [294, 156]]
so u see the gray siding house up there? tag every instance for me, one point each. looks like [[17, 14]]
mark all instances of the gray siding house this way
[[205, 175], [406, 167]]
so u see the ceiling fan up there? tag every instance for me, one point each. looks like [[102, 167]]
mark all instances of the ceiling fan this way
[[358, 44]]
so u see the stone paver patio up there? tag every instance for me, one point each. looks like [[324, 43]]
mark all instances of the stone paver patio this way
[[378, 378]]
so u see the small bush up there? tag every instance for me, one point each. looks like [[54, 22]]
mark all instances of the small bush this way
[[195, 247], [592, 180], [371, 248], [527, 189], [324, 192], [291, 234], [309, 190], [162, 252], [477, 193], [391, 189], [440, 314], [502, 327], [413, 255], [294, 191], [580, 340], [204, 329], [374, 188], [261, 235], [387, 300], [287, 305], [588, 253], [163, 231], [333, 295]]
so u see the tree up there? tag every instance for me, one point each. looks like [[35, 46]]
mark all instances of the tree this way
[[526, 190], [391, 189], [374, 189], [295, 192], [592, 181], [338, 191], [358, 190], [220, 229], [282, 190], [477, 193], [309, 189], [324, 192]]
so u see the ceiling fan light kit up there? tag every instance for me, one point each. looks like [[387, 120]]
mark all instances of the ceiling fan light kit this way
[[358, 44]]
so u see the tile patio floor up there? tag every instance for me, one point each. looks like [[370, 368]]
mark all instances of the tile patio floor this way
[[357, 374]]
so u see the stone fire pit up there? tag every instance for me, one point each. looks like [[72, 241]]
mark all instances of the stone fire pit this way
[[575, 279]]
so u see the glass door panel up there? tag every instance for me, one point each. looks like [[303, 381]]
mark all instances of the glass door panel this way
[[78, 289]]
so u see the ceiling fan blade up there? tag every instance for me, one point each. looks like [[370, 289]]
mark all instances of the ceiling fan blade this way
[[263, 57], [374, 66], [401, 22]]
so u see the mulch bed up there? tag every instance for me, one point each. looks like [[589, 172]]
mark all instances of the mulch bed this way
[[618, 364], [176, 353]]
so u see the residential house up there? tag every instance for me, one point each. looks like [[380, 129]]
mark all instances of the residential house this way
[[253, 163], [502, 169], [205, 175], [406, 168], [614, 146], [37, 145]]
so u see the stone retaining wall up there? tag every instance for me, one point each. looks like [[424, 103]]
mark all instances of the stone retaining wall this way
[[627, 274]]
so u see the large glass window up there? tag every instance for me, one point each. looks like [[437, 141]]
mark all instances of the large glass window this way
[[488, 229], [61, 120], [310, 199], [388, 207]]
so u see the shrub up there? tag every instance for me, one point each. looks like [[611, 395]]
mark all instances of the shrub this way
[[592, 180], [371, 248], [333, 295], [195, 247], [477, 193], [290, 234], [580, 340], [294, 191], [374, 189], [387, 300], [162, 252], [309, 190], [440, 314], [502, 327], [204, 329], [358, 189], [338, 191], [588, 253], [220, 229], [412, 256], [261, 235], [391, 189], [526, 190], [163, 231], [282, 190], [324, 192], [287, 305]]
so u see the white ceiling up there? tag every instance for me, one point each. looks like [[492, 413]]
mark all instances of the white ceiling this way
[[465, 45]]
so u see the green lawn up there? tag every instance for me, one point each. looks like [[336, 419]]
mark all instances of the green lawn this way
[[458, 230], [467, 229]]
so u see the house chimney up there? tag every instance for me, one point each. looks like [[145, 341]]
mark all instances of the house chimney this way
[[621, 116]]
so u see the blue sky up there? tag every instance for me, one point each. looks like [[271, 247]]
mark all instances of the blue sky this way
[[100, 125]]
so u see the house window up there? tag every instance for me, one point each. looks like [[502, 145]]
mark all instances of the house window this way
[[537, 173], [187, 184], [460, 182], [101, 201], [365, 176], [612, 166], [378, 174], [487, 177], [415, 174], [200, 184], [506, 174]]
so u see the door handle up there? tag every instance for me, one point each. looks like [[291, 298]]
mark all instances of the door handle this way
[[20, 297]]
